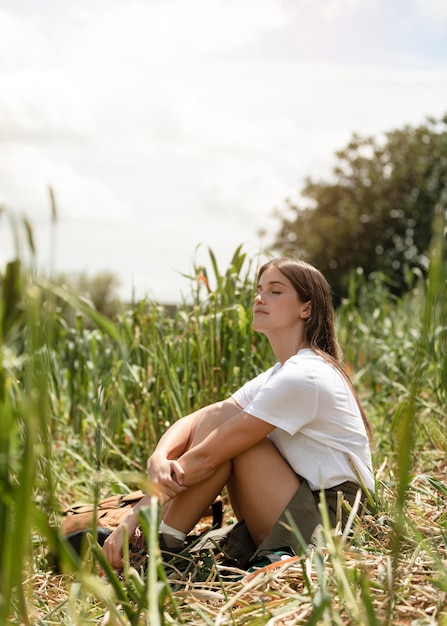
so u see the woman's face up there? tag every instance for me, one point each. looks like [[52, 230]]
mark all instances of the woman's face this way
[[277, 306]]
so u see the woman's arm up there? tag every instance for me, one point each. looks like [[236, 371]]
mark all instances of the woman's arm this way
[[228, 438], [164, 476], [162, 467], [113, 545]]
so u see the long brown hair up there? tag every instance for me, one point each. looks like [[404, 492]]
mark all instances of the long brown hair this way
[[319, 329]]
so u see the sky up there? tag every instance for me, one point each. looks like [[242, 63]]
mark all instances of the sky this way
[[168, 127]]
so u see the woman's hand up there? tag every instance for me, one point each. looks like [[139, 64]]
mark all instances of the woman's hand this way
[[113, 545], [165, 477]]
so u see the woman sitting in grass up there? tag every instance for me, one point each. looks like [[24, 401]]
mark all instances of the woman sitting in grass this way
[[280, 440]]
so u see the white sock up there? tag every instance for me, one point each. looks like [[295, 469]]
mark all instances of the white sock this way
[[165, 529]]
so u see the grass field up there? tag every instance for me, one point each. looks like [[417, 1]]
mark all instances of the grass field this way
[[83, 404]]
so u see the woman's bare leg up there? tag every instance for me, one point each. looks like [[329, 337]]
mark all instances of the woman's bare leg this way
[[186, 509], [261, 485]]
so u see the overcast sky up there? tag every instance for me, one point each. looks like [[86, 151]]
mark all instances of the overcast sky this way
[[167, 124]]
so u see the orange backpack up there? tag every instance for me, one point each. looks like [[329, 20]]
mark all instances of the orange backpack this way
[[110, 512]]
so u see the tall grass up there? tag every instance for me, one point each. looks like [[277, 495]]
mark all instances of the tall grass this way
[[83, 405]]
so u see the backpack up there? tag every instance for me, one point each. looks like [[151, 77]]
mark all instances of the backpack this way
[[111, 511], [78, 521]]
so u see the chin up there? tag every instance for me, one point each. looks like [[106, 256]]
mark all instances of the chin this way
[[258, 326]]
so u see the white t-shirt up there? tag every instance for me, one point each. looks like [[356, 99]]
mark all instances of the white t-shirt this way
[[318, 426]]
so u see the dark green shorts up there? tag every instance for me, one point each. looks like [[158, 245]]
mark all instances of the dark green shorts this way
[[304, 510]]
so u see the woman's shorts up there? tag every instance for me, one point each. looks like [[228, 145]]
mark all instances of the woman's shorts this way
[[304, 510]]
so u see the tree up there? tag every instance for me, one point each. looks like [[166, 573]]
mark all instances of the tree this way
[[100, 290], [377, 211]]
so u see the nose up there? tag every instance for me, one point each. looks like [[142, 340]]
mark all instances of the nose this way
[[258, 297]]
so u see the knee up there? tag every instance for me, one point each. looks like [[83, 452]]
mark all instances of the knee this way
[[260, 452], [212, 417]]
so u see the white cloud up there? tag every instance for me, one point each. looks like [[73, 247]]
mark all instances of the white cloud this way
[[20, 40], [331, 9], [162, 33], [434, 11], [27, 173], [42, 104], [167, 124]]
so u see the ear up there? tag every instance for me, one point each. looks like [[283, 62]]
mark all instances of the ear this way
[[306, 310]]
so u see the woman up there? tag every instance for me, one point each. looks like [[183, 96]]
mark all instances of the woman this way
[[289, 433]]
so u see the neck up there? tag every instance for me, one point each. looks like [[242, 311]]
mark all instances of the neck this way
[[285, 351]]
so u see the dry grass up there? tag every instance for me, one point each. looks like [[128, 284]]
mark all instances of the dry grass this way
[[403, 589]]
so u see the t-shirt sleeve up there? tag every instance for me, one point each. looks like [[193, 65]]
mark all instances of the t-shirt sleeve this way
[[248, 391], [287, 399]]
